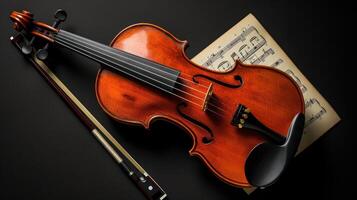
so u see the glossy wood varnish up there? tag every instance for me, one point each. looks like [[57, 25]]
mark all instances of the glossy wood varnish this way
[[271, 95]]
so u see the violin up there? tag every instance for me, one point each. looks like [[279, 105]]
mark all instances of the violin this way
[[245, 123]]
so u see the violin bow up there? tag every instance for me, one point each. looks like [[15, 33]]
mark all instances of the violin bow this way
[[143, 180]]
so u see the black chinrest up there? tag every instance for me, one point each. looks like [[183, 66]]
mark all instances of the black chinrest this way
[[267, 161]]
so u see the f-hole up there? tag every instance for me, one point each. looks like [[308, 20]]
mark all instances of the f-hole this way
[[206, 139], [236, 77]]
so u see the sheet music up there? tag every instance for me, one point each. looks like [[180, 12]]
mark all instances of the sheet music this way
[[249, 42]]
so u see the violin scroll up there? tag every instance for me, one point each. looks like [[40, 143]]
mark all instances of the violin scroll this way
[[22, 20]]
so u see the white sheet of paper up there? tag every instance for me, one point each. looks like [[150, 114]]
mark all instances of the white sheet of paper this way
[[249, 42]]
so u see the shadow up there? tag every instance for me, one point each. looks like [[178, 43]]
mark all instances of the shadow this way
[[161, 136], [62, 60], [164, 136]]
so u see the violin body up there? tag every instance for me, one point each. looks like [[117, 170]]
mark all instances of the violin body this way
[[270, 94], [246, 123]]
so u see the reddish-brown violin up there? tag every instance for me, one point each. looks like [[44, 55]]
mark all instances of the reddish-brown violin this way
[[245, 123]]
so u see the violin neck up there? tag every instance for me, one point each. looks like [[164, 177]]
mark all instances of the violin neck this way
[[138, 68]]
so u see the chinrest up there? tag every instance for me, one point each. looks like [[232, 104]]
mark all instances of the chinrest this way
[[267, 161]]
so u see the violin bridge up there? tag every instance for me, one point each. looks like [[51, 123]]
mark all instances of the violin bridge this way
[[207, 97]]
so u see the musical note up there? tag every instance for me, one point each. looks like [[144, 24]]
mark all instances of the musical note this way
[[277, 63], [244, 49], [316, 111], [256, 60], [297, 80]]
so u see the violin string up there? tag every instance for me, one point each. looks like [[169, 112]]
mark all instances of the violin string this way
[[97, 44], [64, 43], [197, 97], [209, 103], [127, 53], [93, 43]]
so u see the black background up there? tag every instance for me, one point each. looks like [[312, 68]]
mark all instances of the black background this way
[[46, 153]]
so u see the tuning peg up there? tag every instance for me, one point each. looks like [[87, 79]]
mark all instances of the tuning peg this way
[[42, 54], [60, 16], [27, 47]]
